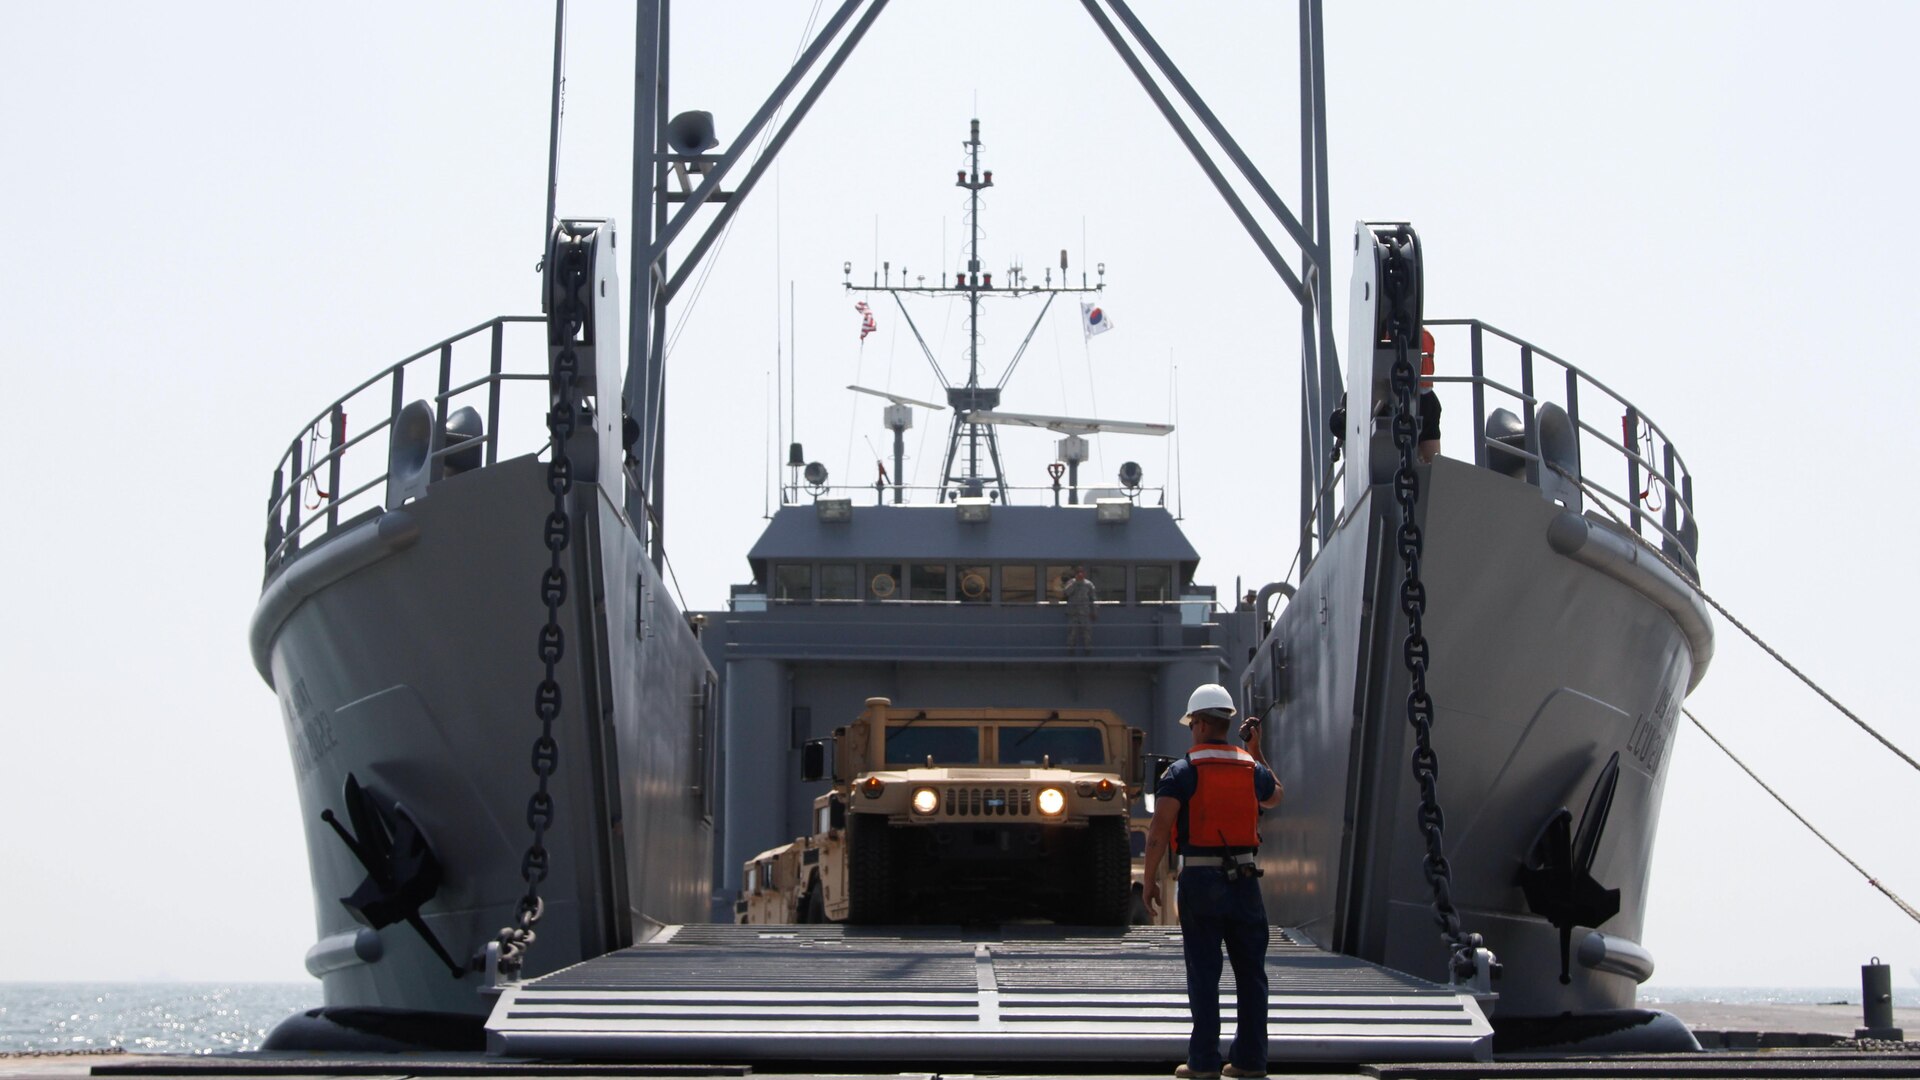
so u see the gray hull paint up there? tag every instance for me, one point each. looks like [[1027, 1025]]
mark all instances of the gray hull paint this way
[[415, 672], [1542, 667]]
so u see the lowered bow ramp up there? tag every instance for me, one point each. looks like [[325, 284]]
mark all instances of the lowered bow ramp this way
[[831, 993]]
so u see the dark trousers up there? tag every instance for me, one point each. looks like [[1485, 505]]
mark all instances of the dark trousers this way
[[1215, 912]]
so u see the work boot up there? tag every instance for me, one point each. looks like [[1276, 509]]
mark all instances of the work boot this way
[[1230, 1069], [1188, 1072]]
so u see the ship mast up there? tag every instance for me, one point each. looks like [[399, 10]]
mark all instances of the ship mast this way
[[971, 465]]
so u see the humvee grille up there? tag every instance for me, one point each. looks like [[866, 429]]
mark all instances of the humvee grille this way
[[989, 802]]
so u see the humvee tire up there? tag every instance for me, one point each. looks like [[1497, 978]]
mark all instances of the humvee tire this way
[[870, 885], [813, 903], [1107, 888]]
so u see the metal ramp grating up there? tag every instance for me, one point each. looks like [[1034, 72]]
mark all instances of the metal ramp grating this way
[[943, 994]]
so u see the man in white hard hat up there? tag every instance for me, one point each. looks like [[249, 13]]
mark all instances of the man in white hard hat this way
[[1208, 806]]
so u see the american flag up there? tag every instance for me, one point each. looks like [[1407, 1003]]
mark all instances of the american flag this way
[[866, 319]]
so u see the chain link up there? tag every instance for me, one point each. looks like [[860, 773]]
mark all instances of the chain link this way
[[1401, 330], [515, 939]]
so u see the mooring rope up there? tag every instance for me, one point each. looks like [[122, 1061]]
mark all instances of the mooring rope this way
[[1742, 627], [1735, 758]]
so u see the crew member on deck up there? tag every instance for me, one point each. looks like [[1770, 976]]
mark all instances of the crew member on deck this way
[[1429, 447], [1079, 594], [1208, 805]]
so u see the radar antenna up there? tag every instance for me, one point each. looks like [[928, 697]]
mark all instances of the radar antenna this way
[[972, 462]]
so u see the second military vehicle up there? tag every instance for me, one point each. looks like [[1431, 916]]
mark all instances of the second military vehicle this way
[[960, 815]]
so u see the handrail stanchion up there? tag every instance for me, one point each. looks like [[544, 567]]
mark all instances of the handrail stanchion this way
[[293, 503], [400, 402], [1690, 535], [1630, 438], [1479, 401], [437, 438], [1669, 514], [275, 531], [1573, 414], [493, 396], [1526, 404], [446, 380], [339, 435]]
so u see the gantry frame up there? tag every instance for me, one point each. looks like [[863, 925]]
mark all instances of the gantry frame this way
[[657, 222]]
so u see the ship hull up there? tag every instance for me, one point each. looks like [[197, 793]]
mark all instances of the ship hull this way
[[402, 651], [1542, 668]]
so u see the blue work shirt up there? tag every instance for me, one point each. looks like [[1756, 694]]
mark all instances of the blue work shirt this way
[[1182, 780]]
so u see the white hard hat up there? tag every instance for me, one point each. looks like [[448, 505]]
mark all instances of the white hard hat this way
[[1209, 698]]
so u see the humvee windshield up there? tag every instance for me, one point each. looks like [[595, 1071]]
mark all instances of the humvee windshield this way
[[1059, 745], [911, 745]]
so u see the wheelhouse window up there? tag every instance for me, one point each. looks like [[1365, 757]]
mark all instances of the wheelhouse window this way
[[883, 582], [1152, 584], [973, 584], [793, 583], [929, 581], [1109, 583], [1061, 745], [1016, 585], [839, 581], [1057, 578], [911, 744]]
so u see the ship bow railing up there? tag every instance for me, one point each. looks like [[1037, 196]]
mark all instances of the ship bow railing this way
[[1537, 418], [436, 412]]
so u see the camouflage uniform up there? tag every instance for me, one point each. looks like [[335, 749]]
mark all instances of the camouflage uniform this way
[[1079, 595]]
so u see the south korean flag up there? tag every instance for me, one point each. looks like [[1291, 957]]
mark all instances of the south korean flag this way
[[1093, 320]]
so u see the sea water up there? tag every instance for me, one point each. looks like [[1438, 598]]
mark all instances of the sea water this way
[[150, 1017], [1652, 997]]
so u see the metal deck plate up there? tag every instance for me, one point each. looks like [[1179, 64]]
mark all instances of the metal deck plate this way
[[944, 994]]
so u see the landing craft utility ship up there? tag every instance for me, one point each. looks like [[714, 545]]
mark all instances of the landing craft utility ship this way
[[1518, 629]]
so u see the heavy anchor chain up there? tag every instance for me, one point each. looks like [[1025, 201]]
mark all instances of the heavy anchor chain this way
[[516, 938], [1470, 962]]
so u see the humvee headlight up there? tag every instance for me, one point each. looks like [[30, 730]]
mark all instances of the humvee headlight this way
[[1103, 789], [925, 801], [1051, 801], [872, 787]]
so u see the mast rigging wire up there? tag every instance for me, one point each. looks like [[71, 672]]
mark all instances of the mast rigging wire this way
[[853, 408], [1093, 395], [706, 268], [553, 123], [1024, 342], [939, 375]]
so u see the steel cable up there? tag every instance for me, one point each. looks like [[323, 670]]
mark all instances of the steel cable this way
[[1735, 758], [1742, 627]]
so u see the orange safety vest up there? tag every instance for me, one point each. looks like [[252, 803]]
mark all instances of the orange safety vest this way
[[1223, 817]]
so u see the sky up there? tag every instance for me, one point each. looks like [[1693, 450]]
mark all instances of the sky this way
[[221, 216]]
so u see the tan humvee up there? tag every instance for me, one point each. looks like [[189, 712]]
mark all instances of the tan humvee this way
[[1169, 913], [961, 815]]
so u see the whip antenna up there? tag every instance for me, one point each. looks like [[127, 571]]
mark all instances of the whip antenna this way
[[553, 123]]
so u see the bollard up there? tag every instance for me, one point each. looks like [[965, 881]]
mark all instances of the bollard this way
[[1876, 1003]]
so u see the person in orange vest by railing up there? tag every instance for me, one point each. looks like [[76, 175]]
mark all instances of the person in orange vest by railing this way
[[1208, 806], [1429, 447]]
